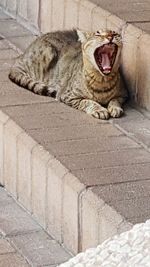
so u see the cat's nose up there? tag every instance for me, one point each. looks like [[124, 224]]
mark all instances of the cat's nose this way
[[110, 38]]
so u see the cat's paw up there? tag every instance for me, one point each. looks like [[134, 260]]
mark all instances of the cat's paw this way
[[101, 113], [39, 88], [51, 91], [115, 111]]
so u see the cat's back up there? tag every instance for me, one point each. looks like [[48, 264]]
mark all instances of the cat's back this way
[[45, 60], [58, 40]]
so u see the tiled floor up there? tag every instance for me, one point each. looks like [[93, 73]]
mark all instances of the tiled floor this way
[[22, 241]]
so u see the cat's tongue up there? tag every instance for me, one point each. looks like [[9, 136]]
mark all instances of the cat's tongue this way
[[105, 62]]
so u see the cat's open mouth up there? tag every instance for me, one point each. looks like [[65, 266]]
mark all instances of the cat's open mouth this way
[[105, 57]]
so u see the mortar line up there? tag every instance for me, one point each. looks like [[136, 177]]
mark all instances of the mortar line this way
[[110, 167], [132, 137], [82, 192], [117, 183], [137, 21]]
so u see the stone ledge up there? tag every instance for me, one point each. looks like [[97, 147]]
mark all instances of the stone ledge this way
[[33, 176]]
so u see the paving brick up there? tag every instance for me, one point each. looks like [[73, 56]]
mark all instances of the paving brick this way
[[3, 15], [15, 220], [129, 199], [74, 132], [58, 15], [6, 64], [5, 247], [25, 145], [71, 14], [137, 15], [90, 206], [33, 13], [12, 6], [13, 259], [99, 18], [130, 115], [23, 9], [114, 23], [22, 42], [39, 161], [53, 120], [3, 44], [40, 249], [135, 210], [56, 173], [11, 132], [13, 95], [143, 94], [25, 236], [85, 15], [143, 26], [72, 189], [138, 129], [3, 77], [1, 156], [7, 87], [4, 197], [46, 16], [38, 109], [124, 226], [109, 223], [105, 159], [122, 7], [109, 175], [8, 54], [123, 191], [3, 3], [93, 145], [10, 28], [128, 11], [3, 120], [129, 63], [95, 212]]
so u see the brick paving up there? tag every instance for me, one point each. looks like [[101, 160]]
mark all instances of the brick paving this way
[[135, 12], [22, 241], [111, 159]]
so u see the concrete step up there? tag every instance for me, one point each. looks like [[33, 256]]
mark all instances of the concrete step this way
[[82, 179]]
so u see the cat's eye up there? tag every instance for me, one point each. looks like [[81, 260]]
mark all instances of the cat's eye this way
[[97, 33]]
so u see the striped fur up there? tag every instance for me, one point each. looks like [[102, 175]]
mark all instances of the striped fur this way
[[61, 65]]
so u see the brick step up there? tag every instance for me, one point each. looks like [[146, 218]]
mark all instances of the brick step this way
[[83, 179]]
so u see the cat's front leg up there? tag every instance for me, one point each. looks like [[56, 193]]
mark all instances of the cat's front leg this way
[[114, 107], [93, 108]]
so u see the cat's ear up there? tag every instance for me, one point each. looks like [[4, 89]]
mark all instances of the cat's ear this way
[[82, 36]]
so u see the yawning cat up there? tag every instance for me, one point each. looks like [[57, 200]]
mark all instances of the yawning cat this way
[[77, 68]]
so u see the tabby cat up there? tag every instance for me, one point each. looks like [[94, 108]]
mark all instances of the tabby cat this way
[[77, 68]]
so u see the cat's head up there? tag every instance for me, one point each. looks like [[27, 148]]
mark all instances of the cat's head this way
[[102, 49]]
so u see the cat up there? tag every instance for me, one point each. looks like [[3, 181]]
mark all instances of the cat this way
[[80, 69]]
